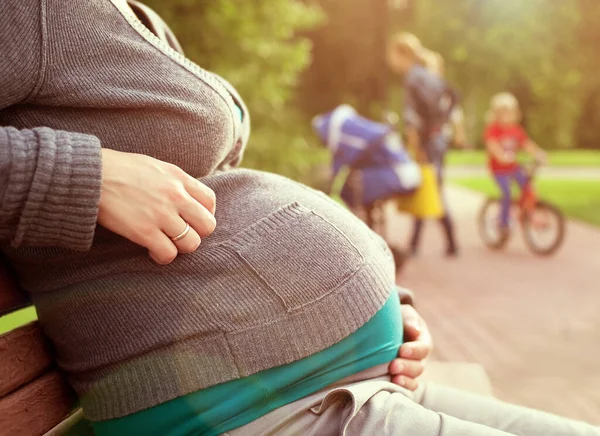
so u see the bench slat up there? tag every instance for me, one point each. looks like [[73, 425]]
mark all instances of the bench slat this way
[[11, 298], [37, 407], [74, 421], [24, 355]]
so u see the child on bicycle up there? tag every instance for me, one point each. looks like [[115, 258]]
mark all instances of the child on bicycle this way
[[504, 137]]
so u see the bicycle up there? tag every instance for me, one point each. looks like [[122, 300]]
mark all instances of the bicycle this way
[[542, 223]]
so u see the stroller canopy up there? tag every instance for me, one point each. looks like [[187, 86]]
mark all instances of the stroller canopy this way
[[343, 126], [373, 150]]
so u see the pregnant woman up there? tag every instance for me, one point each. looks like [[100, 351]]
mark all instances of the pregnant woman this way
[[283, 321]]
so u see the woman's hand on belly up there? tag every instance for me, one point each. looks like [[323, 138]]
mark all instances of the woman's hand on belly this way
[[417, 346], [150, 202]]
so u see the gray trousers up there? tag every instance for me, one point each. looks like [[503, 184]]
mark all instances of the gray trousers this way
[[369, 404]]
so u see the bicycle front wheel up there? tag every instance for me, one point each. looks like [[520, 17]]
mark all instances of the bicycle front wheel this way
[[544, 229], [489, 225]]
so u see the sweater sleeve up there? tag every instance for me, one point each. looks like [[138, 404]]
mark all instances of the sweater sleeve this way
[[50, 181], [50, 184]]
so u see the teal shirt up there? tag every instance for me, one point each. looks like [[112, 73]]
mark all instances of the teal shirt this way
[[238, 112], [230, 405]]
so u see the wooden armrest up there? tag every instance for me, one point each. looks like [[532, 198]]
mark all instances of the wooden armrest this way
[[67, 424], [11, 298], [24, 355], [36, 407]]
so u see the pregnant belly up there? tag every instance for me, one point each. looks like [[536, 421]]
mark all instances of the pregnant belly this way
[[279, 249], [221, 408]]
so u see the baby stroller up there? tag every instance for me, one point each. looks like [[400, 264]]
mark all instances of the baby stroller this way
[[370, 164]]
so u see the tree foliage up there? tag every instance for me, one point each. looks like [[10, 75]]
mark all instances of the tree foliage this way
[[291, 59], [254, 45], [536, 49], [348, 58]]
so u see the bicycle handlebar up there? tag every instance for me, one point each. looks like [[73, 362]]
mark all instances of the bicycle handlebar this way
[[532, 168]]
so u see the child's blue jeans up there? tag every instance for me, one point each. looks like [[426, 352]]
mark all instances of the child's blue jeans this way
[[503, 179]]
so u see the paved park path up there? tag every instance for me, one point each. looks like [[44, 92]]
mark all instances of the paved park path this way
[[534, 323], [583, 173]]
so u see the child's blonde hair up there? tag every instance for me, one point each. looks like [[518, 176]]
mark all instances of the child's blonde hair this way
[[503, 100], [434, 62], [405, 43]]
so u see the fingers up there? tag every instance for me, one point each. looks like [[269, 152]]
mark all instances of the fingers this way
[[161, 249], [411, 332], [406, 382], [149, 201], [418, 342], [201, 193], [188, 210], [188, 243], [415, 350], [197, 216], [412, 323], [405, 372], [407, 368]]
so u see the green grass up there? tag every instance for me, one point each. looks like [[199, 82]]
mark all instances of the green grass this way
[[559, 158], [17, 319], [578, 199]]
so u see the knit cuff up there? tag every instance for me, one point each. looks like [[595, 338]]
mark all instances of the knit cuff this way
[[61, 205]]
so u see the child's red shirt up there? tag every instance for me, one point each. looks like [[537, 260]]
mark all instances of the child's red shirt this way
[[511, 138]]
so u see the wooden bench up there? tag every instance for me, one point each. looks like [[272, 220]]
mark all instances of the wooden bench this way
[[35, 398]]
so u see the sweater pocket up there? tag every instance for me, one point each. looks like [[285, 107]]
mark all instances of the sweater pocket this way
[[298, 254]]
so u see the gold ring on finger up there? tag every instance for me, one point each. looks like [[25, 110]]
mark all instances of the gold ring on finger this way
[[182, 234]]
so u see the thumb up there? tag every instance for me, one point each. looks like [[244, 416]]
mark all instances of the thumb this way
[[412, 323]]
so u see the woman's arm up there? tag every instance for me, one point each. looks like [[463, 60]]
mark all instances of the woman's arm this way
[[49, 180], [413, 143], [413, 121], [55, 185], [49, 187]]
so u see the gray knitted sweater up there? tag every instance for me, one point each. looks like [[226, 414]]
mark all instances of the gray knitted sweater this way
[[286, 274]]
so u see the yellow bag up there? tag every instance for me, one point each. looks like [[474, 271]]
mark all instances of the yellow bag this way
[[426, 201]]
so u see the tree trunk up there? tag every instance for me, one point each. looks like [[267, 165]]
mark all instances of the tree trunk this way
[[348, 58]]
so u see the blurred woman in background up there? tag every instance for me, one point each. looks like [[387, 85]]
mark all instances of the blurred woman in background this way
[[454, 129], [427, 105]]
